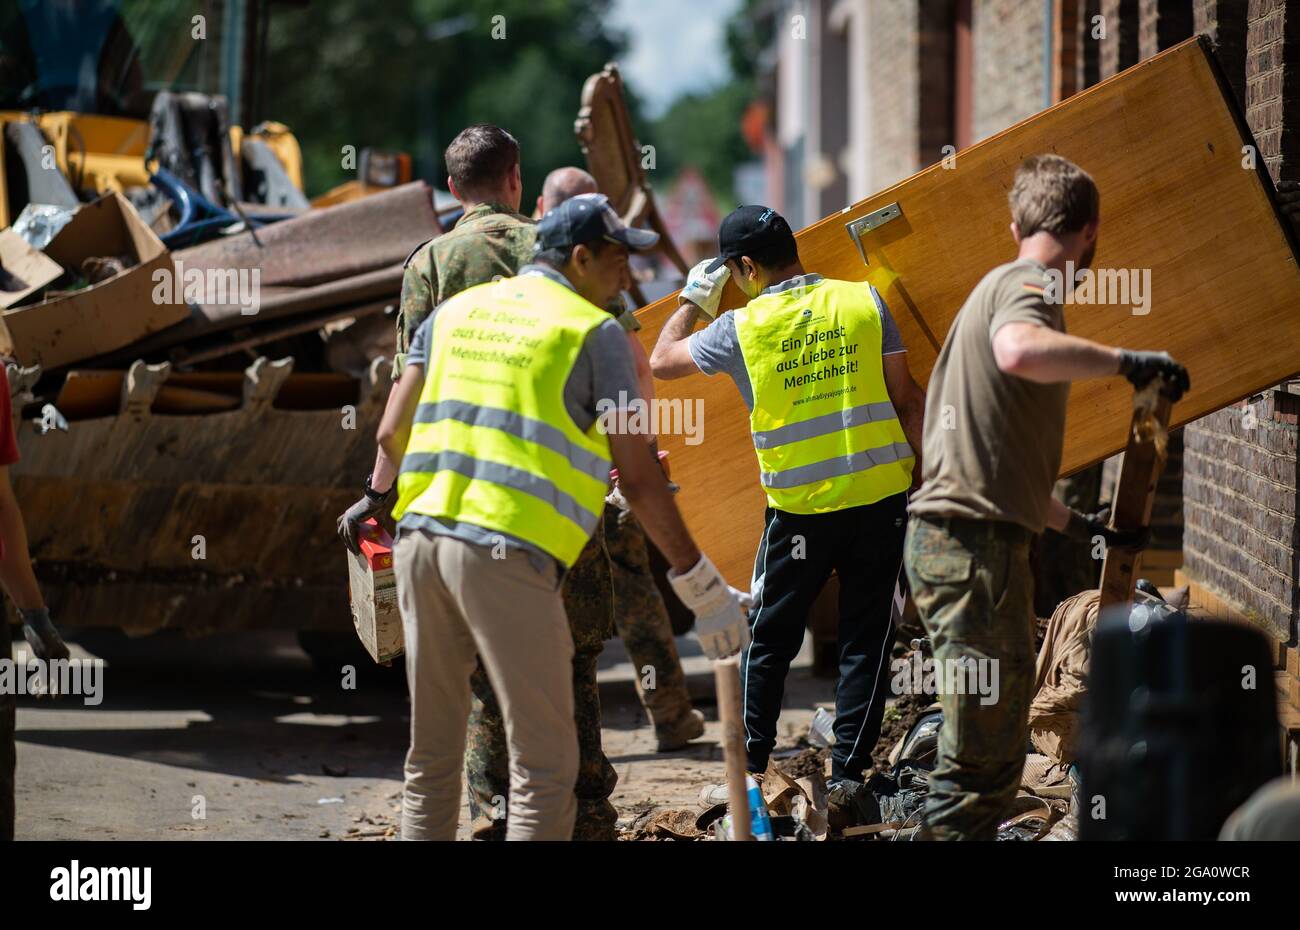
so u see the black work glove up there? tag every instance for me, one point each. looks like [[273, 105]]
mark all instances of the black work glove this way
[[41, 635], [1086, 527], [1141, 367], [371, 504]]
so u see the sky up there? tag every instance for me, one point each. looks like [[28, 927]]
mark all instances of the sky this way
[[674, 47]]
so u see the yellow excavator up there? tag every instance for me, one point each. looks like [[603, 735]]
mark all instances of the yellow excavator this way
[[189, 479]]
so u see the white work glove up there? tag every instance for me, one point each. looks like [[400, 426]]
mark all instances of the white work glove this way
[[719, 621], [705, 290], [615, 498]]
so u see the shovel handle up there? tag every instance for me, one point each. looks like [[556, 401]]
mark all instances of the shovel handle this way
[[726, 675]]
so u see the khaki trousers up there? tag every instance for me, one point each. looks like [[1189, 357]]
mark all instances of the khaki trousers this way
[[457, 601]]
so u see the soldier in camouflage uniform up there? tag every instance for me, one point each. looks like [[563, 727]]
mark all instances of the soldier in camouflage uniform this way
[[642, 621], [640, 615], [489, 241], [1005, 370]]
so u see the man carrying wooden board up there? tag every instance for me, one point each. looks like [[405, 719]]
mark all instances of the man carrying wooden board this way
[[835, 416], [994, 428]]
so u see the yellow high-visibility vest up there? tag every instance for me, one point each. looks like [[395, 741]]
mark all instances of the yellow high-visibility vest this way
[[825, 431], [492, 443]]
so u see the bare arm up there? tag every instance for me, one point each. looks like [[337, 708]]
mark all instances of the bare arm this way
[[909, 402], [671, 357], [385, 471], [1057, 515], [16, 564], [399, 412], [644, 377], [642, 482], [1041, 354]]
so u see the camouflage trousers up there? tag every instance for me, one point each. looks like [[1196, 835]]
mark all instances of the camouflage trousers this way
[[643, 624], [588, 601], [973, 589]]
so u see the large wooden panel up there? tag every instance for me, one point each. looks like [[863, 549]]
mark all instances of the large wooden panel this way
[[1166, 149]]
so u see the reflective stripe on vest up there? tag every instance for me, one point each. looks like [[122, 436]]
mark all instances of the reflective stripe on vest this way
[[824, 429], [492, 442]]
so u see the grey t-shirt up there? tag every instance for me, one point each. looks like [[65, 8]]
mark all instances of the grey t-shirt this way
[[603, 369], [993, 441], [715, 349]]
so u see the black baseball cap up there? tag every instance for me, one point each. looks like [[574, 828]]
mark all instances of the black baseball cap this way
[[747, 230], [586, 218]]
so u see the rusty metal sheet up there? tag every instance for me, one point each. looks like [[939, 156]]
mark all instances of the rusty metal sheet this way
[[327, 244]]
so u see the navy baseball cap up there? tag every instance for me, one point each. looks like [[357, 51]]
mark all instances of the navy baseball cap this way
[[747, 230], [586, 218]]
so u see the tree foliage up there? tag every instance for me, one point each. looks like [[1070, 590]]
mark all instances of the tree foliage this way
[[409, 74]]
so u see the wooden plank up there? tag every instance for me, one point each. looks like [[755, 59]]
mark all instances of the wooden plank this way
[[726, 675], [1165, 146], [1144, 460], [1162, 558]]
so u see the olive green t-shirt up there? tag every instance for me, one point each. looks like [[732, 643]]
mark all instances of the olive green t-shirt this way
[[992, 446]]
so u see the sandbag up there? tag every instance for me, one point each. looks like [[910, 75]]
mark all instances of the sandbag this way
[[1061, 676]]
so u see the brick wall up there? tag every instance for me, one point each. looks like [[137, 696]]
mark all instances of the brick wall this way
[[1161, 24], [1088, 57], [893, 85], [1239, 479], [1119, 47], [1223, 22], [1239, 490], [935, 79], [1009, 69], [1273, 82]]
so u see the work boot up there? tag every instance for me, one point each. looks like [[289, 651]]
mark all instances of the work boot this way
[[676, 734], [712, 795], [596, 821], [485, 829], [850, 804]]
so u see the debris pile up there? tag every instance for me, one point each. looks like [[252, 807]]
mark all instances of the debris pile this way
[[169, 340]]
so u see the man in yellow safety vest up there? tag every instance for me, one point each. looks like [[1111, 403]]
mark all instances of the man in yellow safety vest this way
[[504, 469], [835, 418]]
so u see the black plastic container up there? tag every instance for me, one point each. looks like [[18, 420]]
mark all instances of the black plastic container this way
[[1175, 736]]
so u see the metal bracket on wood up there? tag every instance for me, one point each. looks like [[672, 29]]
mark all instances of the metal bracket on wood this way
[[865, 224]]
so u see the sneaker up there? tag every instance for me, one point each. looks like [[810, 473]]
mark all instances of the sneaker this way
[[850, 804], [681, 731], [713, 795]]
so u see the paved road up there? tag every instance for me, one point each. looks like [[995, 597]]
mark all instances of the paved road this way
[[239, 737]]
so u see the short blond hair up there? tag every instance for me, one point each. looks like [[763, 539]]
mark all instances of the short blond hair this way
[[1053, 194]]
